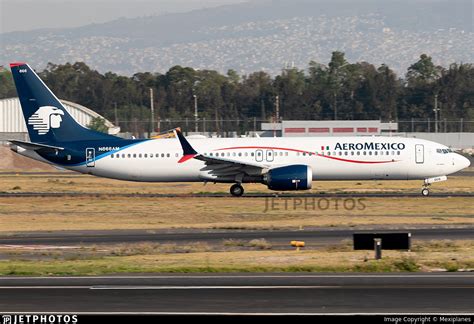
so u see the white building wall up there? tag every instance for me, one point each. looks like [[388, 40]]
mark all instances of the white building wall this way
[[12, 121]]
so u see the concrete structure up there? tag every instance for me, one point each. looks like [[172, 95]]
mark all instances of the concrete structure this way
[[12, 123], [298, 128]]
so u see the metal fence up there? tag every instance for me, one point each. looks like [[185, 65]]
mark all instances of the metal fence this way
[[431, 126], [244, 126]]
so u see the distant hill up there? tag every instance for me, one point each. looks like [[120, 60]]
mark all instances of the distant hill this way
[[240, 36]]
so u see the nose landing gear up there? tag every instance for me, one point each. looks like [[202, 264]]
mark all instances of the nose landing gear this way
[[237, 190], [425, 191]]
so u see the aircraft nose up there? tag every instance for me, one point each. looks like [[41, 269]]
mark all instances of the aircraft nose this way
[[462, 162]]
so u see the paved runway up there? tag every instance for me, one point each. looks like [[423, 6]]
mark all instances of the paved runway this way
[[250, 293], [278, 238], [433, 194]]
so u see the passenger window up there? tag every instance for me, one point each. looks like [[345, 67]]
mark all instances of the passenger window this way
[[162, 155], [168, 155], [129, 155], [140, 155], [252, 154], [340, 153], [346, 153], [398, 152], [375, 153], [145, 155], [123, 156], [112, 156], [240, 153], [370, 152]]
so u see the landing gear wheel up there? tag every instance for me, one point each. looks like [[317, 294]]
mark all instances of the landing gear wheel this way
[[425, 192], [236, 190]]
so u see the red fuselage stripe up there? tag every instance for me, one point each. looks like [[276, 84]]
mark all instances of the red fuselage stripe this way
[[302, 151]]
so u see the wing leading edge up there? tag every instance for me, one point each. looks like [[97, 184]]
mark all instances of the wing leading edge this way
[[220, 168]]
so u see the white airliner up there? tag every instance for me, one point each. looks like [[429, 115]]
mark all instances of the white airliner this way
[[279, 163]]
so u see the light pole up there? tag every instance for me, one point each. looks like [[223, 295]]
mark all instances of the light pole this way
[[196, 126], [436, 111], [152, 115]]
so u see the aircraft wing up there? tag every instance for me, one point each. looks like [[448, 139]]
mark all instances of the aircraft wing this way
[[220, 166], [36, 146]]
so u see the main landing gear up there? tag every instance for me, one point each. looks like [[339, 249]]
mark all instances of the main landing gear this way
[[237, 190]]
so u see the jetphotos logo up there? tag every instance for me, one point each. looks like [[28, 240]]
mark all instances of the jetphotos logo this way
[[45, 118]]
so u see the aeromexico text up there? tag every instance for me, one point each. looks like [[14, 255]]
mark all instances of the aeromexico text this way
[[370, 146]]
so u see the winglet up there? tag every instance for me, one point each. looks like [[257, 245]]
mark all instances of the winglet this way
[[188, 151]]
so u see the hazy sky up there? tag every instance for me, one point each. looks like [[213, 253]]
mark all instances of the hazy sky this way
[[33, 14]]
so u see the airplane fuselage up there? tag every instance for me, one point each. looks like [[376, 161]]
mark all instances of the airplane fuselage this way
[[330, 158]]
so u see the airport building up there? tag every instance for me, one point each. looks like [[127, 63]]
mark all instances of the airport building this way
[[12, 123], [305, 128]]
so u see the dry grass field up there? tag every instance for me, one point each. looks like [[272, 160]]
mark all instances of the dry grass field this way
[[104, 212], [50, 214]]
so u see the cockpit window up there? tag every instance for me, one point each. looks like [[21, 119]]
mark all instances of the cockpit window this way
[[444, 151]]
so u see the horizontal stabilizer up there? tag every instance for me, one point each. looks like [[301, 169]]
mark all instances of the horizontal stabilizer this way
[[35, 146]]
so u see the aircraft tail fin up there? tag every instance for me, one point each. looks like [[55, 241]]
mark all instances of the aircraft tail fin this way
[[47, 120]]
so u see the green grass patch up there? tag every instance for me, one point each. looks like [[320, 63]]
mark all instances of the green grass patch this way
[[110, 265]]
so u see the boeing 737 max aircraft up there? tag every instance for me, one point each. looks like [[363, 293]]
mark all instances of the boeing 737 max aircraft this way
[[280, 163]]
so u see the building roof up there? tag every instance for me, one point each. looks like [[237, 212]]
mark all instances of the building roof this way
[[12, 121]]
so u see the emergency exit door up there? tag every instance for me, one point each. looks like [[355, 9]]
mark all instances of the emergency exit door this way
[[419, 153], [90, 157]]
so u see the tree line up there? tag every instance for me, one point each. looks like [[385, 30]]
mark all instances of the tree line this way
[[339, 90]]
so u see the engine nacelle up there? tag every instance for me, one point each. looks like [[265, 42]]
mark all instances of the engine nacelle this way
[[291, 177]]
